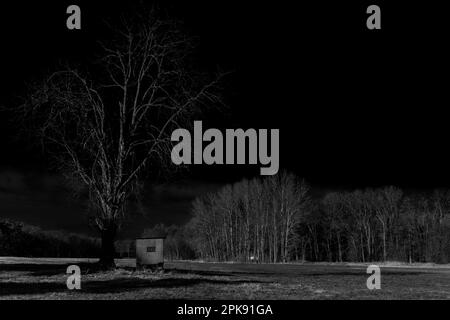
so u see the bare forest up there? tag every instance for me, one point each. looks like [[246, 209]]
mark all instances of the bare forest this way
[[277, 219]]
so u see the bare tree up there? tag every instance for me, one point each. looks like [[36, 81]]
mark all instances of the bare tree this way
[[292, 204], [387, 207], [107, 131], [274, 219], [334, 207], [259, 216]]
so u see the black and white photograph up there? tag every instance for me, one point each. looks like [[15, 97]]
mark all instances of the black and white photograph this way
[[221, 157]]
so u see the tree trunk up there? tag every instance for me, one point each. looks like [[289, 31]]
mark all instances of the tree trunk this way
[[329, 255], [362, 248], [303, 252], [339, 246], [383, 225], [108, 249]]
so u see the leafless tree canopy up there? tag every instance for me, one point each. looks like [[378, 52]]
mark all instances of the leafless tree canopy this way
[[275, 219], [254, 219], [106, 130]]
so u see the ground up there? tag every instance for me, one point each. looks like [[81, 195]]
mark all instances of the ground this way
[[26, 278]]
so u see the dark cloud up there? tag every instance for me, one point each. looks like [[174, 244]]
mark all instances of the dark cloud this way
[[12, 181], [166, 203], [44, 200]]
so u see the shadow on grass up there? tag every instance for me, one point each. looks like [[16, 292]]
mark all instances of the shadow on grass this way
[[308, 273], [107, 286], [127, 284], [47, 269], [363, 274], [92, 268]]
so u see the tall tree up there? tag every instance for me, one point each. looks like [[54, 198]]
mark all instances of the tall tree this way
[[387, 203], [108, 128], [334, 209]]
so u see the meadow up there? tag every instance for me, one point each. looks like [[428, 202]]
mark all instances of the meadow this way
[[45, 278]]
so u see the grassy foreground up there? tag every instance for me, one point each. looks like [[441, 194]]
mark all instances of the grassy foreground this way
[[25, 278]]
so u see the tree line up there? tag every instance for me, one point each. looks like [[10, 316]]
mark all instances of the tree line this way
[[276, 219], [279, 219]]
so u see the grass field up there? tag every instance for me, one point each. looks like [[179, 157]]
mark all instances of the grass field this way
[[25, 278]]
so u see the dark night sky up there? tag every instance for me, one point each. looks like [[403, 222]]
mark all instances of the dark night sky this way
[[355, 108]]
